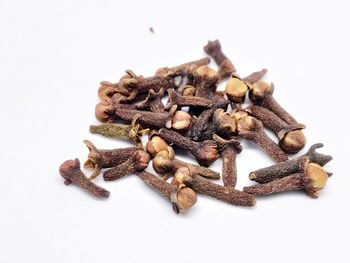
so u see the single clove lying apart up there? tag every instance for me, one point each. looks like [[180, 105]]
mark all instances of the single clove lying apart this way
[[205, 152], [251, 129], [283, 169], [204, 186], [261, 94], [182, 199], [70, 171], [312, 179], [100, 159], [213, 49], [165, 162], [229, 149], [290, 136]]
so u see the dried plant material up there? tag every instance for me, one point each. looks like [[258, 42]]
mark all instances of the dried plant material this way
[[236, 90], [70, 171], [186, 100], [153, 101], [255, 76], [183, 69]]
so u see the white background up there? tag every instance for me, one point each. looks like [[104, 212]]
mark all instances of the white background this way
[[53, 55]]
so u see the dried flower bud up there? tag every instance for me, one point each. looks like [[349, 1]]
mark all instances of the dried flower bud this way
[[106, 90], [293, 141], [207, 72], [104, 111], [155, 145], [142, 159], [248, 123], [259, 89], [181, 120], [182, 176], [226, 124], [185, 199], [236, 90], [162, 162], [315, 179]]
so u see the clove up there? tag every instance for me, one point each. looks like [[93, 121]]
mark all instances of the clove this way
[[228, 149], [106, 90], [315, 157], [312, 179], [261, 94], [182, 199], [153, 102], [236, 90], [205, 152], [291, 138], [251, 129], [100, 159], [184, 101], [183, 69], [205, 80], [70, 171], [165, 162], [204, 186], [213, 49], [138, 162]]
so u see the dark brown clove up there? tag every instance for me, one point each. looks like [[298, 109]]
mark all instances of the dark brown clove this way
[[183, 69], [183, 101], [165, 162], [251, 129], [291, 138], [182, 199], [155, 144], [106, 90], [131, 85], [225, 123], [203, 120], [279, 170], [228, 149], [205, 152], [153, 102], [138, 162], [312, 179], [100, 159], [255, 76], [70, 171], [213, 49], [261, 94], [204, 186]]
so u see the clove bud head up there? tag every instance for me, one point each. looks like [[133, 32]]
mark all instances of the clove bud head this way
[[185, 199], [236, 90], [206, 72], [259, 90], [163, 161], [142, 159], [248, 123], [207, 153], [104, 111], [189, 91], [68, 169], [155, 145], [182, 176], [314, 179], [226, 123], [106, 90], [181, 120], [293, 141]]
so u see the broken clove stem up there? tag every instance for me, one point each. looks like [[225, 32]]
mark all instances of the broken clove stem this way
[[315, 157], [70, 171], [255, 76]]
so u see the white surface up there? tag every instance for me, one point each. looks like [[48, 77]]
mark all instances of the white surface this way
[[52, 57]]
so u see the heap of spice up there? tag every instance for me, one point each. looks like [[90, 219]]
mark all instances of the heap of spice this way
[[204, 122]]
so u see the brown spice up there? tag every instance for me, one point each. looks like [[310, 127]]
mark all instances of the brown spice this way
[[251, 129], [153, 101], [183, 69], [70, 171], [183, 101], [255, 76]]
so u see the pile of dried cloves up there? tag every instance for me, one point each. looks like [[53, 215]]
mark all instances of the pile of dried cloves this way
[[204, 122]]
